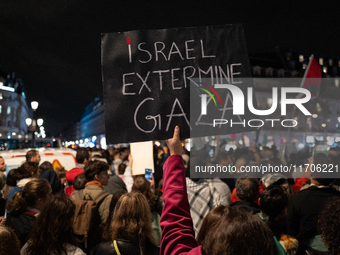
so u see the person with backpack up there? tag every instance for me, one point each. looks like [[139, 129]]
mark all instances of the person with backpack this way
[[92, 203], [103, 232]]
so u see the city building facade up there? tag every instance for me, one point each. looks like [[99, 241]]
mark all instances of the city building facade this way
[[90, 131], [14, 110]]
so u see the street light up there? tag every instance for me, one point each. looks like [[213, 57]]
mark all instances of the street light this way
[[40, 122], [28, 122], [33, 122], [34, 105]]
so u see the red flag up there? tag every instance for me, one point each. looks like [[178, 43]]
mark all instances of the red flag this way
[[312, 77]]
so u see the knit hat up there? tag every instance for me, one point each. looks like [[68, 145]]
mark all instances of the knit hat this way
[[52, 178], [270, 179], [72, 174]]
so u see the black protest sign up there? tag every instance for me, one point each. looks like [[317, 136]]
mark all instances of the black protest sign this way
[[148, 75]]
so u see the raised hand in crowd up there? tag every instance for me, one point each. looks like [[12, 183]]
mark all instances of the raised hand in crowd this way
[[174, 144]]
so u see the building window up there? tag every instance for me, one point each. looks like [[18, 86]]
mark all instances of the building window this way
[[269, 72], [1, 96], [0, 109], [14, 114], [301, 58], [8, 110], [321, 61], [330, 62], [292, 65], [281, 73], [257, 71], [318, 107], [293, 73]]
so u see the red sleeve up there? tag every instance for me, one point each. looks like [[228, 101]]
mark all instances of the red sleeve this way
[[261, 188], [233, 196], [256, 201], [178, 236], [69, 190], [299, 183]]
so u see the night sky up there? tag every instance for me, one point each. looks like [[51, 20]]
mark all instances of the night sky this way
[[54, 46]]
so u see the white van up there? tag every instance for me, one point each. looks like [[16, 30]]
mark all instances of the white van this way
[[57, 156]]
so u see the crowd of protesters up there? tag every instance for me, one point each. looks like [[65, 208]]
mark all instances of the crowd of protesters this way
[[173, 213]]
